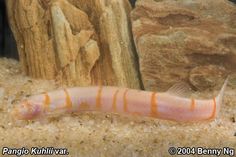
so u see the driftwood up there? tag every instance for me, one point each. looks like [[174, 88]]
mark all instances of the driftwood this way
[[82, 42]]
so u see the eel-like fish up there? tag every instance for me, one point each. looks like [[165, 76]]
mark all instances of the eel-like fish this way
[[168, 105]]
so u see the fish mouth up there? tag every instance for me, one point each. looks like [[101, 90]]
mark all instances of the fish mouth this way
[[30, 113], [16, 114]]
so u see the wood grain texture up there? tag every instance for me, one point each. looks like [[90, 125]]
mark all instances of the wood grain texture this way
[[76, 42]]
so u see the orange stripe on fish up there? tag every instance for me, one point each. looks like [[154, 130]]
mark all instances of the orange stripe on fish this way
[[154, 111], [125, 101], [193, 104], [47, 101], [68, 100], [114, 98], [98, 98]]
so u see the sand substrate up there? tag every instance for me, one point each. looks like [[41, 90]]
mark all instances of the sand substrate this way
[[100, 134]]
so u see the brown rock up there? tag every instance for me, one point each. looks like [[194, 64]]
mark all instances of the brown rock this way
[[180, 40], [78, 42], [203, 77]]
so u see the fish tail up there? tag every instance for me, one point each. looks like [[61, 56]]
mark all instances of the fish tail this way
[[219, 97]]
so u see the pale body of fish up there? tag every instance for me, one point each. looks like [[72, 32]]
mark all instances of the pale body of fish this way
[[166, 105]]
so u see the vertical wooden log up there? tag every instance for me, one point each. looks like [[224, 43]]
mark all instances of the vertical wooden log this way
[[79, 42]]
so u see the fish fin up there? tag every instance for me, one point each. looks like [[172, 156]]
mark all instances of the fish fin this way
[[181, 89], [219, 97]]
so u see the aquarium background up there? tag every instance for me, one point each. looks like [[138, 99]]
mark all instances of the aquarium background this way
[[101, 134], [7, 42]]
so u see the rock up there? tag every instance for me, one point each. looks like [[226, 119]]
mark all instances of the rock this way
[[203, 77], [76, 42], [184, 40]]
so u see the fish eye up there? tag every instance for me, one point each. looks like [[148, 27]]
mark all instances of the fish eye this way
[[27, 106]]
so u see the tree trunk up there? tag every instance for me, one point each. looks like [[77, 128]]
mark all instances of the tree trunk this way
[[79, 42]]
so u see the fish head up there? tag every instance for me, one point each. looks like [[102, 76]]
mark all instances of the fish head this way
[[27, 110]]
